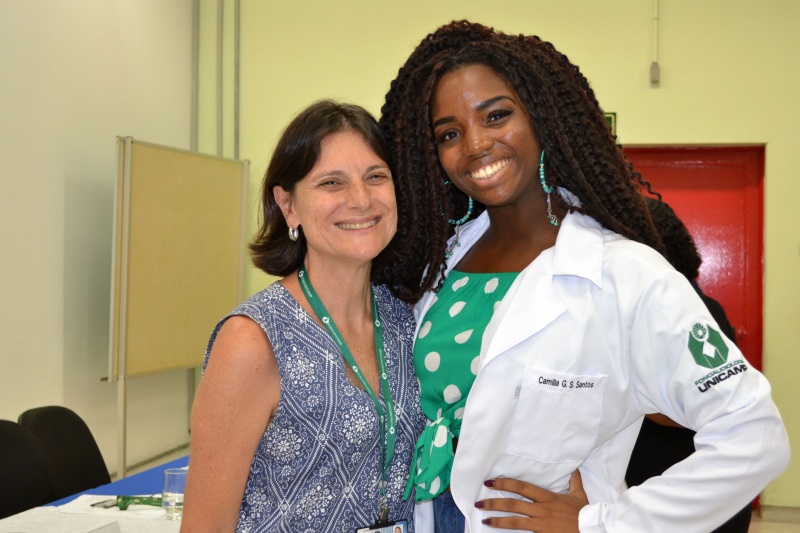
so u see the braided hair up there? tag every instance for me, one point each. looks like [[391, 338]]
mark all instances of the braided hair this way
[[681, 251], [581, 154]]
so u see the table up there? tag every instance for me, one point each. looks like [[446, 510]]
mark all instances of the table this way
[[77, 517]]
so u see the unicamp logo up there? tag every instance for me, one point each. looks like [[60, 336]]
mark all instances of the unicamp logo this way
[[707, 346]]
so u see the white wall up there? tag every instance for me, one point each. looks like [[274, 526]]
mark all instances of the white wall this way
[[74, 74]]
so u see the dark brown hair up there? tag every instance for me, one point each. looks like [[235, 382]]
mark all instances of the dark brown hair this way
[[581, 154], [295, 155], [679, 247]]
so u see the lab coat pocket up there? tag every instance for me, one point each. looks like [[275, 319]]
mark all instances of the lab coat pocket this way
[[557, 416]]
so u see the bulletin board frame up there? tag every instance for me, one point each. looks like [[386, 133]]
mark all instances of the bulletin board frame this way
[[178, 259]]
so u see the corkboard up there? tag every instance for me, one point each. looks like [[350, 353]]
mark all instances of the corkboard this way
[[178, 255]]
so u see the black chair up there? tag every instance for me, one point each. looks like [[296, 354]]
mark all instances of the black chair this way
[[72, 456], [24, 481]]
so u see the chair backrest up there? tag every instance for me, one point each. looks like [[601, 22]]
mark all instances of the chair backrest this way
[[24, 481], [73, 458]]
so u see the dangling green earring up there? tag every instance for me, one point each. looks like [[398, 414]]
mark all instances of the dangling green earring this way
[[465, 217], [547, 189], [457, 223]]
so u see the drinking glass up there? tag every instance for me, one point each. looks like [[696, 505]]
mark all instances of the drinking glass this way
[[172, 496]]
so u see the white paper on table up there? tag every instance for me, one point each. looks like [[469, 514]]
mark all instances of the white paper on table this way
[[83, 505], [113, 527], [50, 519]]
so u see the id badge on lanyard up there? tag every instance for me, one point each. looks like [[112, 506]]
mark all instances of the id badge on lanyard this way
[[386, 415], [400, 526]]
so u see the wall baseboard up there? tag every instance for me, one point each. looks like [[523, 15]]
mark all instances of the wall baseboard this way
[[785, 515], [132, 468]]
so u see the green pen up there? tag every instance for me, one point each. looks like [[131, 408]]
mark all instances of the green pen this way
[[124, 501]]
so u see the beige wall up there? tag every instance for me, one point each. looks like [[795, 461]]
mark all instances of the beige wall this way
[[729, 75], [74, 74]]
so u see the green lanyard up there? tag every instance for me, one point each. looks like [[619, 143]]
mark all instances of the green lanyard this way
[[387, 416]]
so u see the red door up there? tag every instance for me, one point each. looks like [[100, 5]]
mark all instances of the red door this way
[[718, 194]]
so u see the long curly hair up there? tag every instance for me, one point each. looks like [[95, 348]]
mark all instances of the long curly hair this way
[[680, 249], [581, 154], [295, 155]]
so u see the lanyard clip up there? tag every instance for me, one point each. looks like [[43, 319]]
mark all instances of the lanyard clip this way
[[383, 505], [383, 514]]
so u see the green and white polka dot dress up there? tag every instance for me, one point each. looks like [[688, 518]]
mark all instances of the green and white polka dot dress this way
[[446, 358]]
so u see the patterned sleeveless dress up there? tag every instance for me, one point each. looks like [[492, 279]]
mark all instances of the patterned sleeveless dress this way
[[318, 464]]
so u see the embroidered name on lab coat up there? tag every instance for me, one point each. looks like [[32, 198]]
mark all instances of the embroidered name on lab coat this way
[[566, 383]]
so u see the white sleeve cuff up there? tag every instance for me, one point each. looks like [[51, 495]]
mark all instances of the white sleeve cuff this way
[[590, 518]]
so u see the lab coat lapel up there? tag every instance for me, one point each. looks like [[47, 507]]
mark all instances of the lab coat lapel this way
[[533, 301]]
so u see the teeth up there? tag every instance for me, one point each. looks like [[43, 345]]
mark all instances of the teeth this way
[[360, 225], [489, 170]]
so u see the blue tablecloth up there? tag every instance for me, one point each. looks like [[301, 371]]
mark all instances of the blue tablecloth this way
[[148, 482]]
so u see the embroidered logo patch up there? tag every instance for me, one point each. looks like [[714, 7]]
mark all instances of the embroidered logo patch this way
[[707, 346]]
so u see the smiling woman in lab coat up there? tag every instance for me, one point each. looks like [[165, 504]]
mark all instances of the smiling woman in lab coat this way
[[548, 323]]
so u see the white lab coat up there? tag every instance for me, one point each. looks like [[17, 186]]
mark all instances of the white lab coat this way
[[613, 316]]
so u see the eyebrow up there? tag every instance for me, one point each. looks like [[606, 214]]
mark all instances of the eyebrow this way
[[337, 172], [479, 107]]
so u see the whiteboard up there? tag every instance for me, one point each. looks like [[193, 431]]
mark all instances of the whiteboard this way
[[178, 255]]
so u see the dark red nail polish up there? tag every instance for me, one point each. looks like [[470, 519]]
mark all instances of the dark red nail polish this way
[[487, 521], [479, 504], [489, 483]]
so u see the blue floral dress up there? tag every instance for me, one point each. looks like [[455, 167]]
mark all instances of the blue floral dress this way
[[318, 464]]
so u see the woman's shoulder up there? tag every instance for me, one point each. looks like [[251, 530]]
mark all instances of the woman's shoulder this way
[[273, 291], [639, 272], [618, 251], [241, 330], [385, 296], [273, 295], [389, 303], [621, 253], [584, 247]]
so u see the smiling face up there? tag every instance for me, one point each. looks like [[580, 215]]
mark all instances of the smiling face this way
[[484, 137], [346, 204]]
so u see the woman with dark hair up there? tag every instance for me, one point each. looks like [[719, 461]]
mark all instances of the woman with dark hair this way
[[548, 325], [307, 413]]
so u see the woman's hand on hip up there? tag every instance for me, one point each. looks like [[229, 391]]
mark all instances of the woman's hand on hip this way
[[542, 511]]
